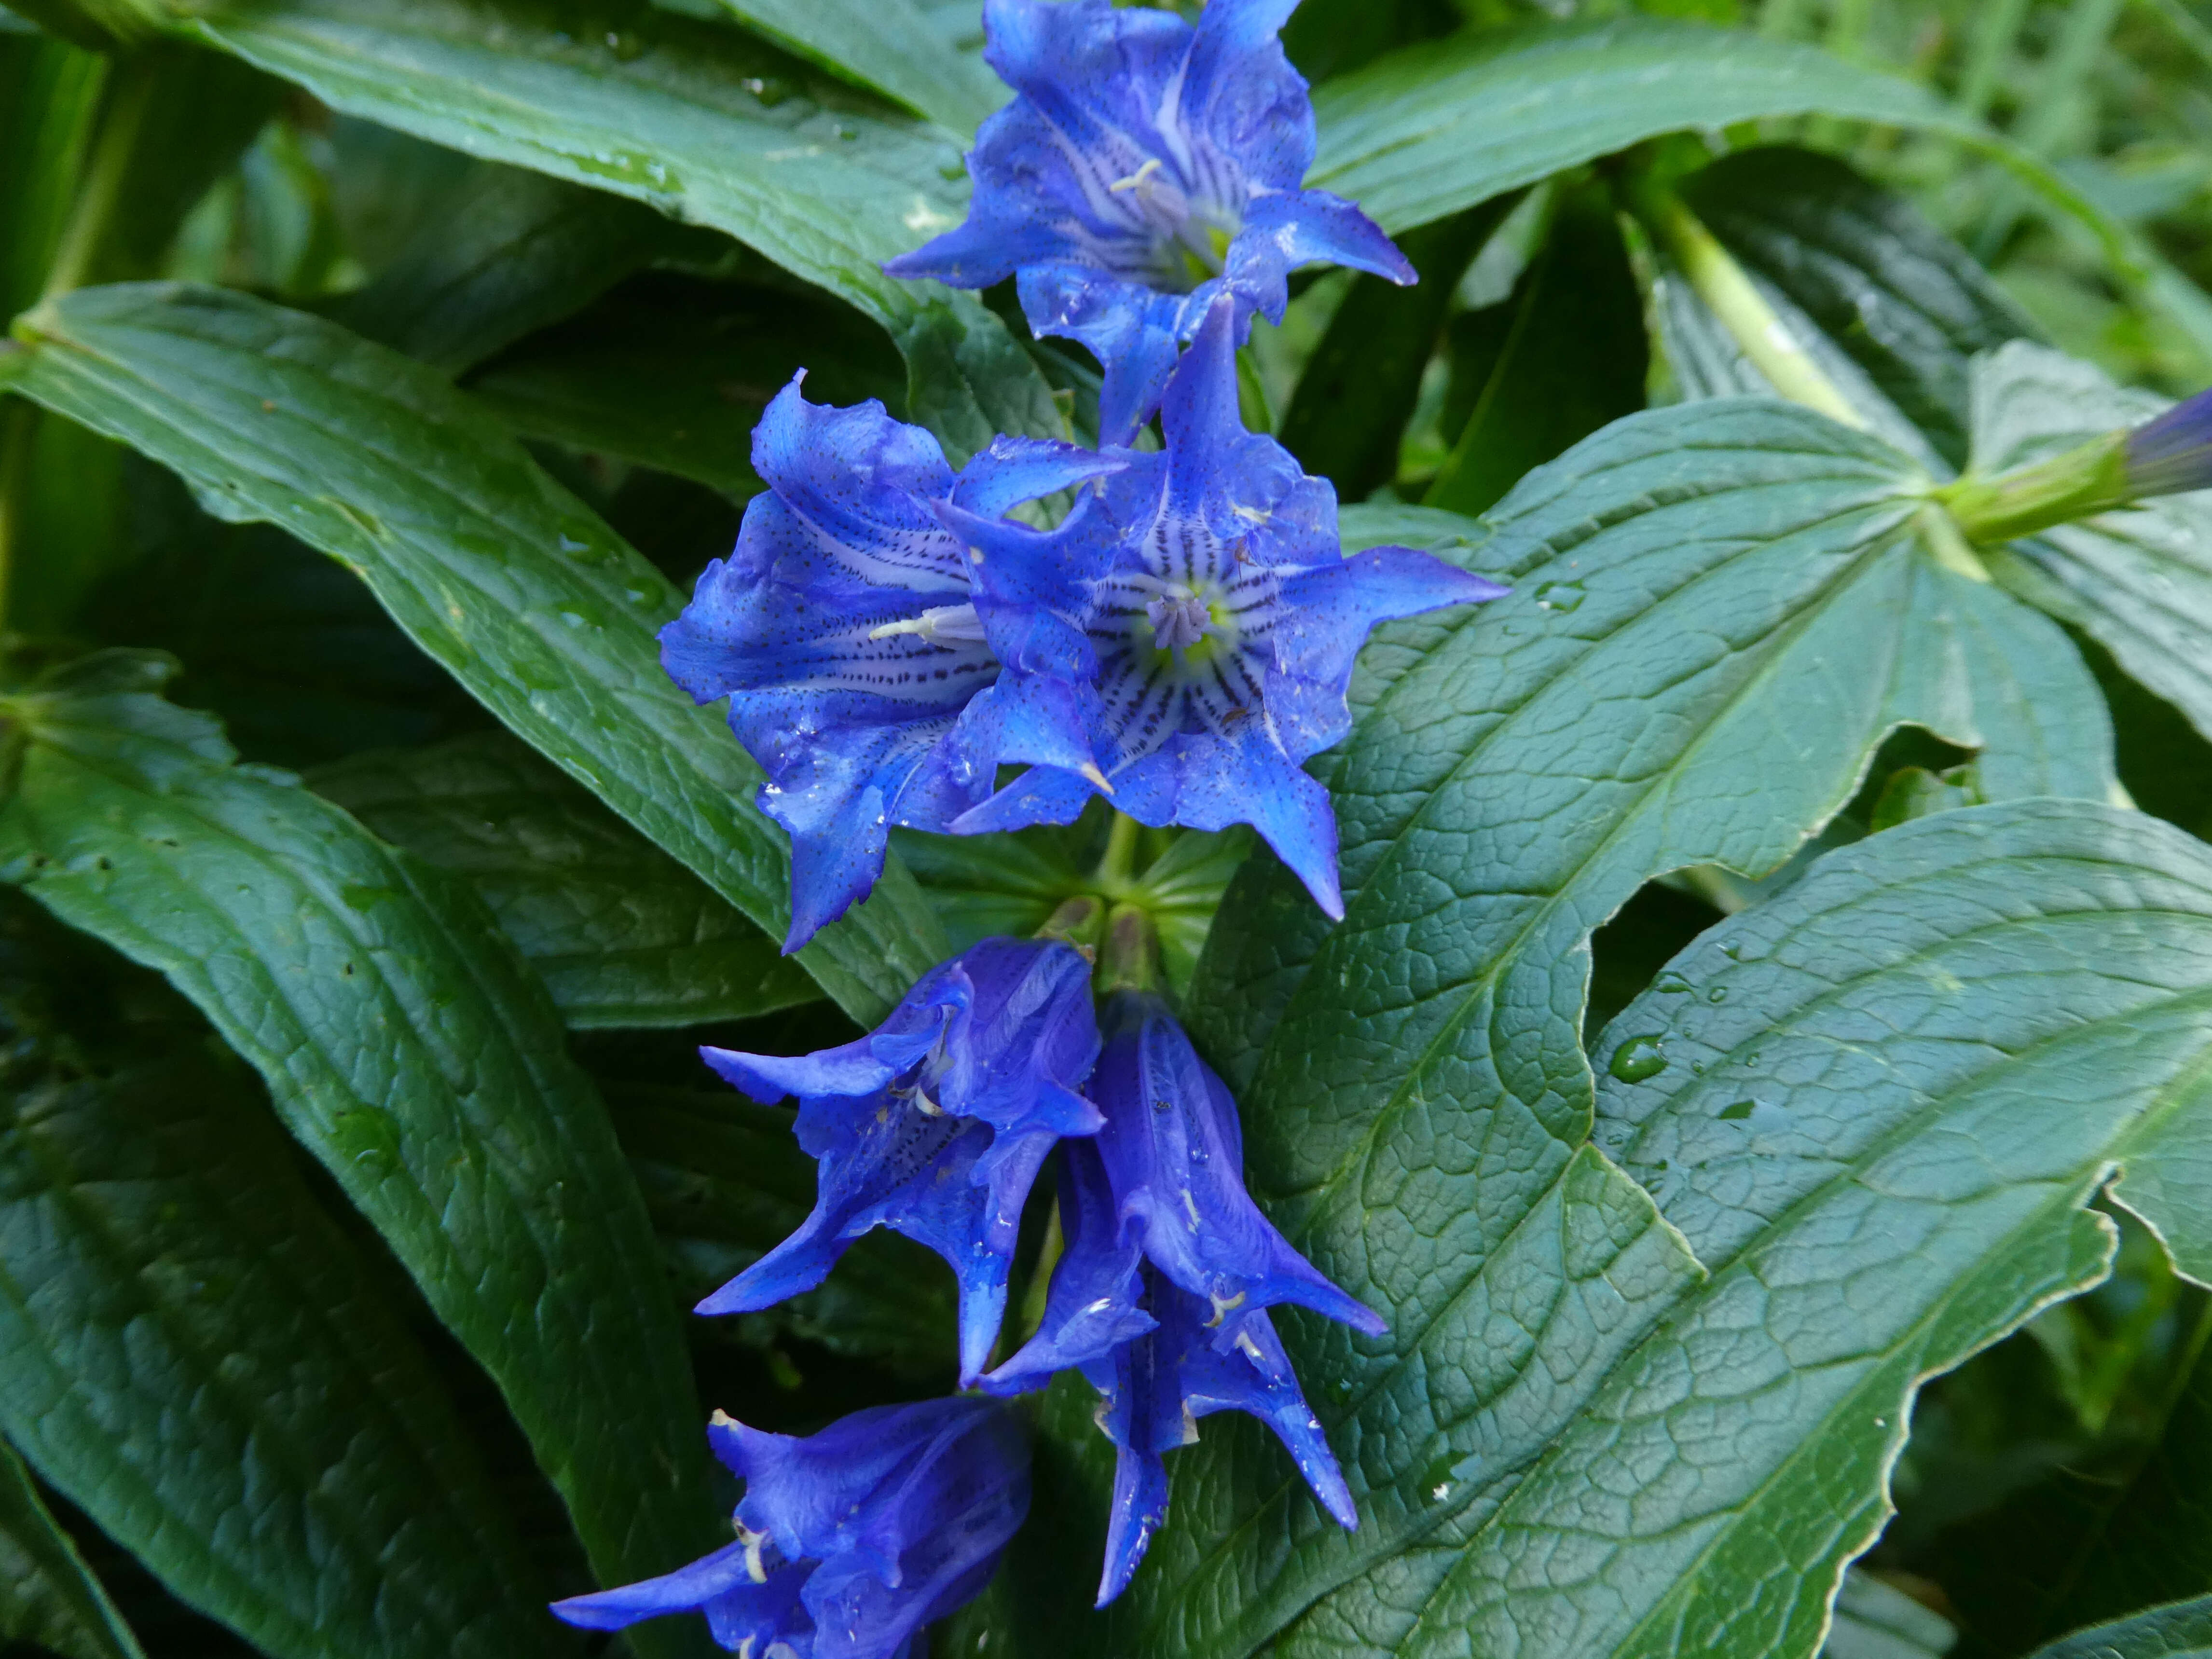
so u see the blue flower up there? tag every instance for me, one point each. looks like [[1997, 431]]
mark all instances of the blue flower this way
[[2173, 453], [1144, 167], [860, 654], [933, 1125], [849, 1541], [1221, 626], [1160, 1298]]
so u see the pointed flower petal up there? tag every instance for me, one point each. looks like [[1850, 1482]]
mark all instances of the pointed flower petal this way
[[934, 1124], [1144, 166]]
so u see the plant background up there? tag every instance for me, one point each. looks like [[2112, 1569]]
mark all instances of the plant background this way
[[404, 848]]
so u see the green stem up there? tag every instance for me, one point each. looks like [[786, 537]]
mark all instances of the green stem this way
[[18, 422], [1129, 960], [1735, 299], [2089, 478], [129, 94], [1119, 864]]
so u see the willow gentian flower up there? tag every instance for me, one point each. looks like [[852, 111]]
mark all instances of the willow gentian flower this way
[[2173, 454], [1222, 623], [849, 1541], [854, 636], [1160, 1296], [1143, 167], [934, 1124]]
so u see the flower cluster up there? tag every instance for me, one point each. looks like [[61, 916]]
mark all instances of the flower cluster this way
[[1181, 641], [898, 650], [936, 1124]]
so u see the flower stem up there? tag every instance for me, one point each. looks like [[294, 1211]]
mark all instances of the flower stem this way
[[2091, 477], [1119, 863], [19, 421], [1735, 299], [1129, 960], [1076, 921]]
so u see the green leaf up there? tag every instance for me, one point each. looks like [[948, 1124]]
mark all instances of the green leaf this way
[[504, 253], [49, 102], [2183, 1631], [47, 1594], [725, 1182], [193, 1352], [695, 119], [1891, 309], [1660, 690], [1624, 554], [1548, 366], [621, 933], [2139, 581], [409, 1050], [673, 374], [1439, 127], [887, 44], [1360, 386], [530, 601]]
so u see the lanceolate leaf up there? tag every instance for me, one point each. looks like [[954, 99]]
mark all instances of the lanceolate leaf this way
[[47, 1594], [694, 119], [1893, 310], [409, 1050], [885, 44], [1719, 611], [191, 1351], [621, 933], [531, 602], [1436, 128], [2139, 581]]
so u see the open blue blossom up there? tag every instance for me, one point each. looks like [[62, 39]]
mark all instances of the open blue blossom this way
[[933, 1125], [1144, 167], [2173, 454], [863, 666], [1160, 1298], [849, 1541], [1221, 623]]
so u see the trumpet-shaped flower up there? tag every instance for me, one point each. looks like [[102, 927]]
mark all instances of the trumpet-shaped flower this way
[[849, 1541], [2173, 454], [864, 663], [1144, 167], [1160, 1298], [934, 1124], [1221, 624]]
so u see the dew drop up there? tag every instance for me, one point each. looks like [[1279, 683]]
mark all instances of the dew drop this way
[[1737, 1113], [1718, 994], [1670, 985], [1559, 596], [1639, 1058]]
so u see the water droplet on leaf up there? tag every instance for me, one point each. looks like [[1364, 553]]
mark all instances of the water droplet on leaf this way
[[1737, 1113], [1559, 596], [1639, 1058], [1671, 985]]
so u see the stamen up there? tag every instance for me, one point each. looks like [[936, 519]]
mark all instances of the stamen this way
[[1138, 180], [1179, 618], [956, 623]]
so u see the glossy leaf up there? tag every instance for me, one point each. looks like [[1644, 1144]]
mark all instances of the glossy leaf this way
[[1436, 128], [529, 600], [193, 1352], [888, 44], [1548, 366], [1891, 309], [694, 119], [673, 374], [462, 1130], [2138, 581], [1659, 690], [2183, 1631], [621, 933], [47, 1594], [504, 253]]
